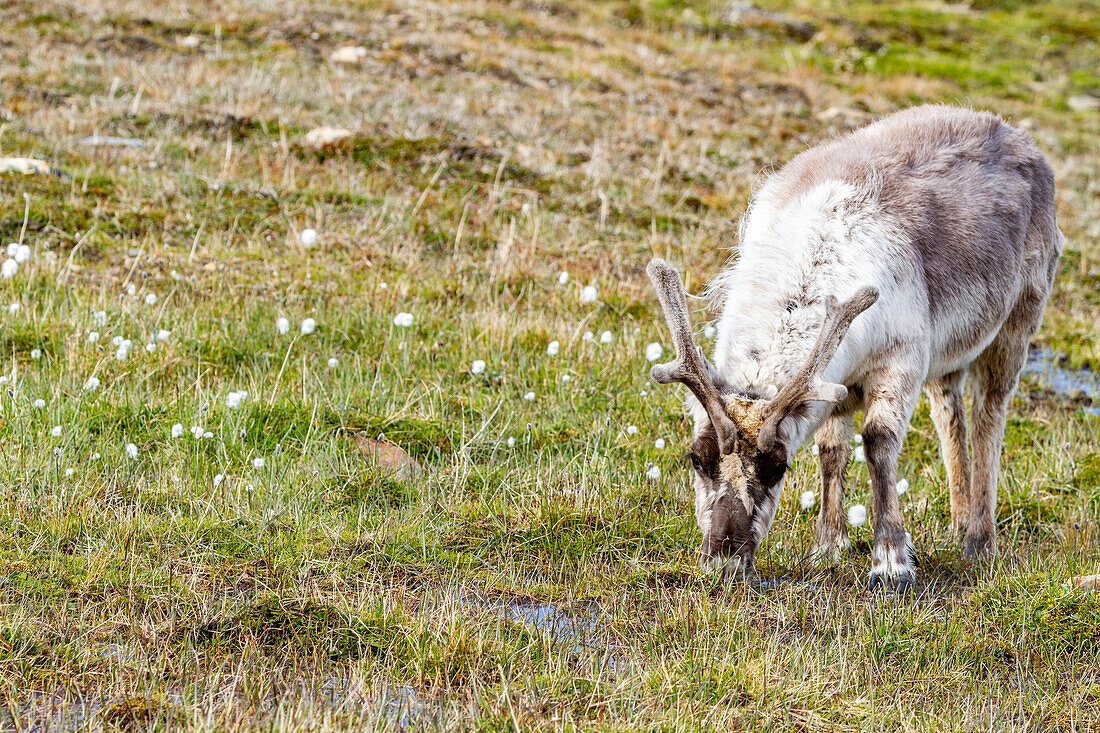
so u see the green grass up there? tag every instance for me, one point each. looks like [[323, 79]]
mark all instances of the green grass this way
[[542, 584]]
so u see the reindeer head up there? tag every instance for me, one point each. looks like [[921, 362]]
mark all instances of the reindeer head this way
[[739, 463]]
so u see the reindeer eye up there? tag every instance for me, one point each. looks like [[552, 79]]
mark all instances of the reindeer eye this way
[[704, 455]]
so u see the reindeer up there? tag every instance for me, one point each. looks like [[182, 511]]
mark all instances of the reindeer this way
[[935, 227]]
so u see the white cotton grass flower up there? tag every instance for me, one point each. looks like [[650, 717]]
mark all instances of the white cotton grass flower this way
[[709, 331], [653, 473], [403, 320], [588, 336], [93, 336], [151, 347], [563, 277], [258, 462], [117, 341], [96, 456], [21, 254], [857, 438], [859, 454], [196, 431], [122, 353], [659, 444], [654, 351], [807, 499], [815, 450], [164, 334], [177, 430], [308, 326], [131, 289], [132, 451], [857, 515], [69, 472], [92, 384], [511, 442], [13, 308], [208, 435], [9, 268], [478, 367], [606, 337], [282, 325], [589, 294], [631, 429], [36, 354], [55, 431], [150, 299], [40, 403], [530, 396], [308, 237], [902, 486], [333, 362], [99, 318], [218, 480], [553, 348], [4, 379], [567, 378], [233, 400]]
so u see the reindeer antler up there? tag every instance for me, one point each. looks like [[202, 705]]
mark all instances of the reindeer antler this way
[[805, 385], [688, 367]]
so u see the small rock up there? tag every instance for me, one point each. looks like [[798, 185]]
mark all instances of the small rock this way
[[844, 115], [110, 141], [1083, 103], [389, 457], [26, 166], [1088, 582], [348, 55], [319, 137]]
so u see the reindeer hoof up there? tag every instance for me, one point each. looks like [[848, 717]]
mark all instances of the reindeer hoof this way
[[901, 585], [827, 552], [892, 567], [734, 568], [979, 547]]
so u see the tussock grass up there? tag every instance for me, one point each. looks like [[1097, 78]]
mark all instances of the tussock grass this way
[[529, 576]]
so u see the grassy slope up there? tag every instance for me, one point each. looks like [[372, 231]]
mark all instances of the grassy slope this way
[[496, 145]]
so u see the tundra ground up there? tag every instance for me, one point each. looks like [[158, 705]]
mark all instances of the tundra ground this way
[[268, 575]]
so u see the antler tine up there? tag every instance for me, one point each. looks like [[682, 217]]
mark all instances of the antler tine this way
[[805, 385], [688, 367]]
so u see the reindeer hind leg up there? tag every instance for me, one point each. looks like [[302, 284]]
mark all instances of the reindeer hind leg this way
[[949, 416], [995, 373]]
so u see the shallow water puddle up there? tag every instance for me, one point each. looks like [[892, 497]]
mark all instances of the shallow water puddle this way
[[777, 583], [1044, 365], [561, 626], [584, 632], [403, 707]]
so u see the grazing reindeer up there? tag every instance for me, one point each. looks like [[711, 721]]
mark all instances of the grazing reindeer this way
[[936, 227]]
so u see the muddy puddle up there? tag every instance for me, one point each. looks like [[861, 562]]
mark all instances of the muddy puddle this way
[[1082, 386]]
